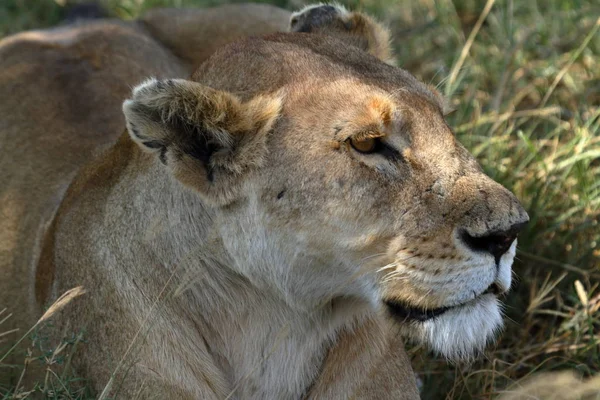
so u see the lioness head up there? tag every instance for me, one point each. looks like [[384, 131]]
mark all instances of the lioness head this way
[[333, 176]]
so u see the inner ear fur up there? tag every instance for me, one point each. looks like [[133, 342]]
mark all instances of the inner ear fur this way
[[355, 28], [208, 138]]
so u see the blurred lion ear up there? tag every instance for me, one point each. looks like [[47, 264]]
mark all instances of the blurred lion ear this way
[[355, 28], [444, 103], [209, 139]]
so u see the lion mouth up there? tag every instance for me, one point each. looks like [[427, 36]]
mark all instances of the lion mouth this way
[[406, 312]]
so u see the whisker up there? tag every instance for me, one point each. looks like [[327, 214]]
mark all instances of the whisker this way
[[372, 256], [396, 263], [397, 275], [391, 265]]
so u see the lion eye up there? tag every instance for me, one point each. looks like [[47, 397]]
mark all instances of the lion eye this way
[[366, 146]]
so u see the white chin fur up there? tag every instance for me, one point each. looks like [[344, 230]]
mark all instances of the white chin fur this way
[[462, 332]]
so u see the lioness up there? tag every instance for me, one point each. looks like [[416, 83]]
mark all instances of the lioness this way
[[262, 230]]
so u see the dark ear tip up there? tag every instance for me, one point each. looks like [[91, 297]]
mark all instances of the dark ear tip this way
[[314, 18]]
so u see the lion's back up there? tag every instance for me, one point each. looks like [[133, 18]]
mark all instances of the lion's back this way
[[62, 91]]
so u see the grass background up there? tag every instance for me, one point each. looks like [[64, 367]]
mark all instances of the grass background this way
[[523, 77]]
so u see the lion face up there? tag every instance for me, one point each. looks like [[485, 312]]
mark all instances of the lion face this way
[[374, 185], [334, 179]]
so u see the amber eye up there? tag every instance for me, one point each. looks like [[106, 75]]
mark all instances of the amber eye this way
[[364, 146]]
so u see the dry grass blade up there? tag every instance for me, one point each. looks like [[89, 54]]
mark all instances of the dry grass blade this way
[[66, 390], [9, 332], [108, 385], [61, 303], [58, 305], [495, 118], [543, 294], [25, 366], [583, 297], [465, 50], [574, 57], [5, 318]]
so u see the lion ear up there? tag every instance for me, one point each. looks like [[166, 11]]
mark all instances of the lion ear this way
[[355, 28], [209, 139]]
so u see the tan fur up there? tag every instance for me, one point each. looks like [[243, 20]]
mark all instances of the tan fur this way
[[231, 242]]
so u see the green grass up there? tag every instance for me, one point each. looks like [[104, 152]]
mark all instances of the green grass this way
[[526, 100]]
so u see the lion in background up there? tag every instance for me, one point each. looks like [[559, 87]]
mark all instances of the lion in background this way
[[272, 224]]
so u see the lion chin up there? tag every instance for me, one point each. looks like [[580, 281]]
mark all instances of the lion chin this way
[[462, 332]]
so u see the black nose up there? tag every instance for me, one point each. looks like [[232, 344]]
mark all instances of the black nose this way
[[496, 243]]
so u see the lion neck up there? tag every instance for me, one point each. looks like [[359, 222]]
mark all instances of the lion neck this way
[[254, 330]]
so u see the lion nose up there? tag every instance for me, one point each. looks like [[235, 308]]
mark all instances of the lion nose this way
[[496, 243]]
